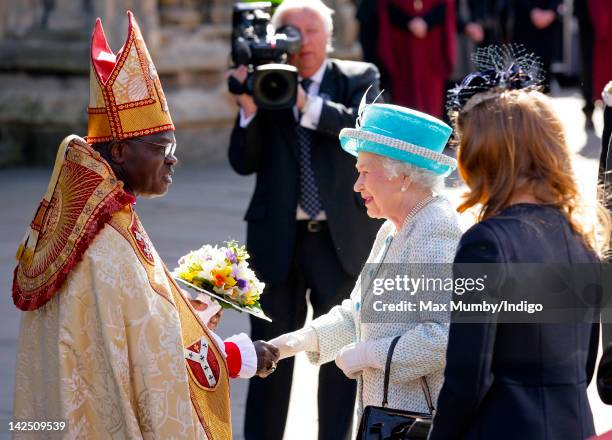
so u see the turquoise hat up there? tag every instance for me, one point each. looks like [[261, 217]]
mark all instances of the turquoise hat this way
[[402, 134]]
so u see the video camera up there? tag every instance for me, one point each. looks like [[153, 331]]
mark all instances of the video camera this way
[[272, 82]]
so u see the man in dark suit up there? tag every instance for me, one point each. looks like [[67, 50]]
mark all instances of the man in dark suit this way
[[482, 21], [585, 37], [307, 228], [537, 26]]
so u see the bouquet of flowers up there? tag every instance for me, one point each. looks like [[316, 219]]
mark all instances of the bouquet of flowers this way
[[224, 274]]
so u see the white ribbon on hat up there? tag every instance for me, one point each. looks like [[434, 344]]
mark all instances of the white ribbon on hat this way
[[363, 104], [400, 145]]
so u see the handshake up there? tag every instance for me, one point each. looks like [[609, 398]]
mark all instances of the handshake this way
[[283, 346], [268, 353]]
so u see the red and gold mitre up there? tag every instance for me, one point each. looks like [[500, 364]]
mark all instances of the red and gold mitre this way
[[126, 98], [81, 198]]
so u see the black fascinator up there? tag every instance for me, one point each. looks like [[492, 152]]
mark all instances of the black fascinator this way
[[500, 67]]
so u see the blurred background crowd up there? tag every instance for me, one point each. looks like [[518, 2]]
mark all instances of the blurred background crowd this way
[[572, 38], [422, 47]]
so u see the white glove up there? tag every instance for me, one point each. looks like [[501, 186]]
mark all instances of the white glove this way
[[355, 357], [212, 306], [290, 344], [606, 94]]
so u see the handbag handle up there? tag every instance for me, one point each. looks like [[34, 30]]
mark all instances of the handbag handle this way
[[424, 385]]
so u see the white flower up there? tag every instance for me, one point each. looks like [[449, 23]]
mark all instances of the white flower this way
[[203, 274], [207, 267], [243, 272], [259, 286]]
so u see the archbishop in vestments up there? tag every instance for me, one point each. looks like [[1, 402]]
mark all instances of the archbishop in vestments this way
[[108, 343]]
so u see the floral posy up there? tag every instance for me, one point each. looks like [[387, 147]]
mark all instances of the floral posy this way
[[223, 270]]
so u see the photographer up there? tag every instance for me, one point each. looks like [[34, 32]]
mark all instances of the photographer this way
[[307, 229]]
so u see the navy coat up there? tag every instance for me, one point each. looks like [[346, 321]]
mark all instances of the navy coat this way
[[519, 380]]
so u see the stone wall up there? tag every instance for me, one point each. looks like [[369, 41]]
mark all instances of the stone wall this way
[[44, 68]]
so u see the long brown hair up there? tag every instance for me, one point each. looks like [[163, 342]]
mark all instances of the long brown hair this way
[[514, 143]]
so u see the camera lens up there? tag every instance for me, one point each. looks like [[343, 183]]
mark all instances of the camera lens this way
[[274, 87]]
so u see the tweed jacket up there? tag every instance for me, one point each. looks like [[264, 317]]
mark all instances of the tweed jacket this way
[[430, 236]]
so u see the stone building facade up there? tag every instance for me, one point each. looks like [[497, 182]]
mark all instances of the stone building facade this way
[[44, 69]]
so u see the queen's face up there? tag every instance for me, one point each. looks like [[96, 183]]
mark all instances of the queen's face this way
[[382, 195]]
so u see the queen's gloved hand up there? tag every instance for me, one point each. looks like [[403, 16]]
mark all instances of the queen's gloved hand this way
[[354, 358], [290, 344]]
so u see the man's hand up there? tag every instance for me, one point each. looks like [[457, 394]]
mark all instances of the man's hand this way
[[474, 32], [418, 27], [267, 357], [542, 18], [245, 101]]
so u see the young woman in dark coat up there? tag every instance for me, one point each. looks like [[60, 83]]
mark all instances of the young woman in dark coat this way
[[507, 377]]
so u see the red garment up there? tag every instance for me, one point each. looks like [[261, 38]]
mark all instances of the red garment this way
[[101, 55], [604, 436], [418, 68], [82, 198], [234, 359], [600, 12]]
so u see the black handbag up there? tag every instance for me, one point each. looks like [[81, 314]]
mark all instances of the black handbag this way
[[383, 423]]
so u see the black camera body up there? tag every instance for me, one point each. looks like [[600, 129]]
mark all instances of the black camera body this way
[[271, 81]]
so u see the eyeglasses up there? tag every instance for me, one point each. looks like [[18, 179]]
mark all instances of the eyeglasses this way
[[168, 149]]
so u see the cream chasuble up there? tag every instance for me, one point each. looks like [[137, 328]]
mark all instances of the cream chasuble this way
[[107, 349]]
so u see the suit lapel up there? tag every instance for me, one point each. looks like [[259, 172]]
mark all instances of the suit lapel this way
[[329, 87], [285, 122], [328, 91]]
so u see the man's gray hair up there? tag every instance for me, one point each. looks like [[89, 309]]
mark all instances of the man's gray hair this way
[[317, 6], [420, 176]]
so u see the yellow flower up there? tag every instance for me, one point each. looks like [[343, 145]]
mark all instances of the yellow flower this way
[[222, 277], [250, 297], [186, 275]]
